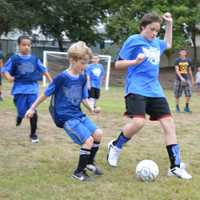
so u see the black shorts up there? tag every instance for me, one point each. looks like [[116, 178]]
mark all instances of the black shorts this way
[[138, 106], [94, 93]]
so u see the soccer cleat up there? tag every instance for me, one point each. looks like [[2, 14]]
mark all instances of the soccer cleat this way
[[187, 110], [1, 98], [179, 173], [93, 168], [34, 138], [113, 154], [81, 176]]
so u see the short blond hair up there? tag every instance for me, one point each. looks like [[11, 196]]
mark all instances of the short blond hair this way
[[79, 50]]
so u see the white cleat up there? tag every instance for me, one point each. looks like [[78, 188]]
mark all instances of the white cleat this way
[[179, 173], [113, 154]]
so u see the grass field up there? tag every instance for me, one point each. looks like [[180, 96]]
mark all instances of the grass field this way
[[43, 171]]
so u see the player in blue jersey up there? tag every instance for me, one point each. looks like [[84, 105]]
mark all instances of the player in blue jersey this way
[[24, 70], [69, 89], [184, 80], [140, 55], [95, 75]]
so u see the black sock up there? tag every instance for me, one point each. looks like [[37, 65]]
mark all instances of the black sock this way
[[33, 124], [83, 159], [94, 150], [18, 120], [174, 155], [187, 105]]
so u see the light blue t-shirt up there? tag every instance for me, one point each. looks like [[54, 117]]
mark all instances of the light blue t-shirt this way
[[22, 87], [96, 73], [143, 79], [69, 92]]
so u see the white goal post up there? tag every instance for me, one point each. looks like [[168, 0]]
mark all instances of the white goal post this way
[[104, 59]]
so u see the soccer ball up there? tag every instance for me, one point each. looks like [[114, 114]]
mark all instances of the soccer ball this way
[[147, 170]]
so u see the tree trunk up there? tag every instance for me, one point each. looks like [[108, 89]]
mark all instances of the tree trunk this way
[[194, 45]]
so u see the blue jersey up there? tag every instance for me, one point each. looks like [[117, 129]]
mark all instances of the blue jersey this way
[[68, 91], [96, 73], [142, 78], [27, 70]]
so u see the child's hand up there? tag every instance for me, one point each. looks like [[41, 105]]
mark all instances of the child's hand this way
[[140, 58], [97, 110], [167, 17], [29, 113]]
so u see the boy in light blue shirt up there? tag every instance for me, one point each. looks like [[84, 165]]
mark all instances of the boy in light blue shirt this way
[[95, 75], [140, 55]]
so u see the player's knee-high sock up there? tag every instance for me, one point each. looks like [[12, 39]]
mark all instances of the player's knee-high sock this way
[[121, 140], [94, 150], [83, 159], [33, 123], [18, 120], [174, 155]]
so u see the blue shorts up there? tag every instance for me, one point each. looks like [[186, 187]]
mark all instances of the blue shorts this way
[[23, 102], [79, 130]]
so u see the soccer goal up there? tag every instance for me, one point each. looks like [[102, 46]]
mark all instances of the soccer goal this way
[[58, 61]]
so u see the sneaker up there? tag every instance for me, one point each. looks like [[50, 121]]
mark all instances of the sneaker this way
[[177, 109], [81, 176], [93, 168], [182, 165], [113, 154], [187, 110], [34, 138], [179, 173]]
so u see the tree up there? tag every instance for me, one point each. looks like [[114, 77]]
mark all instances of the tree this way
[[125, 21]]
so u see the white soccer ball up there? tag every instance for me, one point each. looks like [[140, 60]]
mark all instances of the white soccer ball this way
[[147, 170]]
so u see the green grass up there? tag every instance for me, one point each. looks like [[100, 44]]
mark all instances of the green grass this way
[[43, 171]]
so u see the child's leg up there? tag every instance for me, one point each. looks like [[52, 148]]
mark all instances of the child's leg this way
[[33, 124], [128, 131], [33, 121], [97, 136], [82, 136], [20, 104], [84, 156], [173, 149]]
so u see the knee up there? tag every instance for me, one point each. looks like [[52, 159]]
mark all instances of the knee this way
[[97, 136], [89, 142]]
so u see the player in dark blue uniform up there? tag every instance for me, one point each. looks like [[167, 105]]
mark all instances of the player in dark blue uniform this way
[[69, 90]]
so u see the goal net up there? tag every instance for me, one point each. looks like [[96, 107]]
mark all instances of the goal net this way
[[58, 61]]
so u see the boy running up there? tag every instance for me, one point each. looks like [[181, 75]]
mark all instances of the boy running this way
[[24, 70]]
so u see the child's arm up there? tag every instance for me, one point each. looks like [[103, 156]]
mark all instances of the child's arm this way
[[87, 105], [8, 77], [168, 32], [191, 75], [37, 102], [48, 76], [123, 64], [88, 82]]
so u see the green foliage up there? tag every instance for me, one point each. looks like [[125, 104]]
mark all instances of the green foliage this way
[[125, 21]]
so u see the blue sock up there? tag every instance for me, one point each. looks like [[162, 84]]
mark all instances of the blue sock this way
[[121, 140], [174, 155]]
